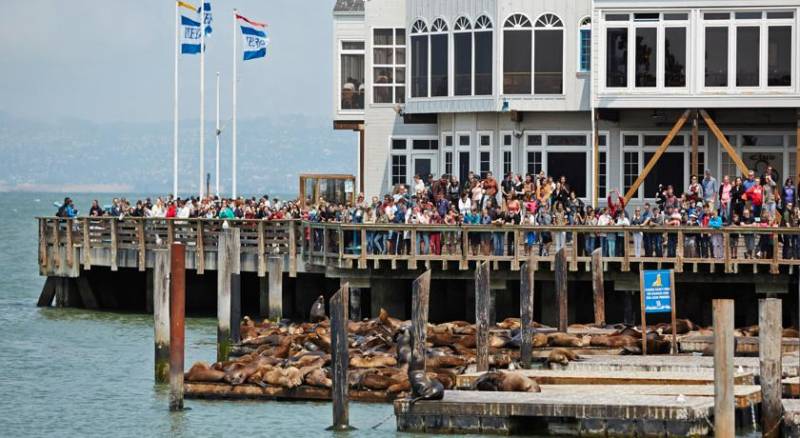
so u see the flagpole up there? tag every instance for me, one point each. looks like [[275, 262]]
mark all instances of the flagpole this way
[[216, 171], [202, 96], [175, 106], [235, 77]]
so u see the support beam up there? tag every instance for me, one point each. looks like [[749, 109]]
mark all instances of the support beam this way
[[275, 278], [339, 356], [561, 289], [770, 329], [526, 299], [420, 299], [227, 268], [177, 312], [482, 304], [48, 292], [657, 155], [724, 408], [161, 310], [87, 294], [598, 290], [724, 142], [695, 159]]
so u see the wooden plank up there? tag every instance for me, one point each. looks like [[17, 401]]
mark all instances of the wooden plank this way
[[275, 279], [724, 412], [339, 307], [69, 248], [724, 142], [170, 232], [482, 304], [226, 260], [292, 250], [142, 246], [526, 300], [114, 244], [656, 156], [224, 391], [419, 320], [57, 245], [42, 243], [87, 245], [561, 289], [770, 328], [262, 262], [199, 250], [161, 300], [362, 258], [598, 291], [177, 312]]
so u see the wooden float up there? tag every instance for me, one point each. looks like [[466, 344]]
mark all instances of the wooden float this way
[[745, 345], [224, 391], [588, 377]]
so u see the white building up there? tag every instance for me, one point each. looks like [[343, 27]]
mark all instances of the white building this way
[[449, 86]]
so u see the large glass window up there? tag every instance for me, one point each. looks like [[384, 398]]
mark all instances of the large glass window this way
[[439, 57], [617, 57], [630, 169], [646, 56], [399, 169], [571, 165], [549, 62], [352, 75], [419, 59], [675, 57], [534, 163], [748, 63], [779, 51], [462, 57], [388, 65], [716, 57], [483, 56], [517, 40], [667, 171], [585, 45]]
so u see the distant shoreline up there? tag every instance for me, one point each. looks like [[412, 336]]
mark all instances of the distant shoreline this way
[[67, 188]]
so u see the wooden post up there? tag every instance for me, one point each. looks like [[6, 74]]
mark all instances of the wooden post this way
[[695, 159], [68, 246], [170, 232], [339, 307], [43, 243], [57, 244], [419, 320], [88, 298], [770, 332], [199, 250], [275, 278], [355, 304], [141, 244], [644, 313], [597, 288], [526, 295], [87, 245], [48, 292], [362, 257], [262, 264], [673, 311], [161, 311], [113, 244], [227, 269], [292, 250], [177, 280], [561, 289], [724, 419], [482, 304]]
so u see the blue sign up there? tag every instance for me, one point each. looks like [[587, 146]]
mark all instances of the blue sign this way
[[657, 291]]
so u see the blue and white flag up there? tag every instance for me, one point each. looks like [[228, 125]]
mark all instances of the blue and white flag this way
[[190, 35], [207, 18], [254, 38]]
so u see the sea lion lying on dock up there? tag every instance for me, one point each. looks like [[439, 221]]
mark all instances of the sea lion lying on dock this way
[[511, 381], [564, 340], [613, 341], [423, 387], [318, 377], [373, 361], [202, 372], [561, 356]]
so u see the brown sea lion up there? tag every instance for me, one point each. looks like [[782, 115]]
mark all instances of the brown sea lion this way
[[284, 377], [750, 331], [247, 328], [468, 341], [240, 374], [613, 341], [496, 341], [202, 372], [376, 361], [511, 381], [509, 324], [318, 377], [561, 356], [539, 340], [790, 333], [564, 340], [445, 362]]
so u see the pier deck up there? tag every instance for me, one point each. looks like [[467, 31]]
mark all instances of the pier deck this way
[[224, 391]]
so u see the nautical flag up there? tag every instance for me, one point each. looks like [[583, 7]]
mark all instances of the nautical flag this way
[[190, 28], [207, 18], [254, 38]]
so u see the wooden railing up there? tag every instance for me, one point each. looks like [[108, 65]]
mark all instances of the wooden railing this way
[[351, 245]]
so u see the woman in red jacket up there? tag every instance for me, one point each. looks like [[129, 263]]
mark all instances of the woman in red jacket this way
[[755, 194]]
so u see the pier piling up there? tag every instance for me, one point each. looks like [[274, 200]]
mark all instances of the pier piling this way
[[275, 278], [227, 274], [420, 300], [482, 304], [561, 289], [724, 419], [770, 336], [597, 288], [526, 298], [177, 310], [339, 307], [161, 320]]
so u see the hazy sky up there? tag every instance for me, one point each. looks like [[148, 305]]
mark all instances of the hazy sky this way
[[112, 60]]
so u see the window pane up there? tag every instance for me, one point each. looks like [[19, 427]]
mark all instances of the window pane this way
[[586, 50], [419, 66], [617, 17], [483, 63], [352, 81], [617, 57], [463, 140], [398, 144], [566, 140], [747, 56], [398, 169], [779, 50], [673, 17], [667, 171], [534, 163], [383, 75], [779, 15], [630, 169], [717, 16], [448, 163], [630, 140], [646, 56], [400, 56], [656, 140], [400, 37], [602, 187], [382, 37], [400, 95], [762, 140], [716, 56], [506, 162], [675, 57], [507, 140], [400, 75], [352, 45], [462, 46], [382, 56], [382, 94], [439, 65], [571, 165], [549, 62], [748, 15], [534, 140], [486, 140], [486, 163], [517, 62]]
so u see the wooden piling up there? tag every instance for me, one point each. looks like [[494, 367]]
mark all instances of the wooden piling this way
[[561, 289], [482, 305], [263, 296], [227, 267], [48, 292], [339, 306], [597, 288], [526, 298], [161, 309], [724, 418], [275, 278], [420, 299], [355, 304], [177, 280], [770, 332], [88, 298]]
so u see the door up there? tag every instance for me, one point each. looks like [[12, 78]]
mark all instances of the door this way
[[463, 167], [424, 166]]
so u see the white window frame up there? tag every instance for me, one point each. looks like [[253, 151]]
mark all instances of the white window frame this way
[[501, 55], [503, 148], [585, 23], [342, 51], [411, 155], [444, 149], [490, 148], [410, 34], [394, 85], [475, 30], [545, 148], [447, 33], [563, 30], [786, 150]]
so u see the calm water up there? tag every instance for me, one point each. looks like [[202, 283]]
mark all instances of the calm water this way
[[68, 372]]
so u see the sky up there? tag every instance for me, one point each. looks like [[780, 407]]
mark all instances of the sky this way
[[113, 60]]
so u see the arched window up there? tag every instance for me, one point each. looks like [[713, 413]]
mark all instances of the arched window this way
[[462, 59], [419, 59], [549, 49], [484, 49], [439, 58], [517, 39], [585, 44]]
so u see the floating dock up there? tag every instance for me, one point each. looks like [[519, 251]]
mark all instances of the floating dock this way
[[247, 391], [745, 345]]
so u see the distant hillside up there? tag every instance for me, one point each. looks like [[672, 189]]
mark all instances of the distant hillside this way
[[80, 155]]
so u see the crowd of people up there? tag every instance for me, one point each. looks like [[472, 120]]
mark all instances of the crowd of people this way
[[531, 200]]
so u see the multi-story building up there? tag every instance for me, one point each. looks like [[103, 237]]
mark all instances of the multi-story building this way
[[580, 88]]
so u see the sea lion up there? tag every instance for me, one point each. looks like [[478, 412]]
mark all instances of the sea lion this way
[[423, 387], [564, 340], [468, 341], [376, 361], [318, 377], [247, 329], [539, 340], [403, 347], [202, 372], [317, 313], [613, 341], [509, 324], [790, 333], [512, 381], [750, 331], [240, 374], [445, 362], [561, 356], [284, 377], [496, 341]]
